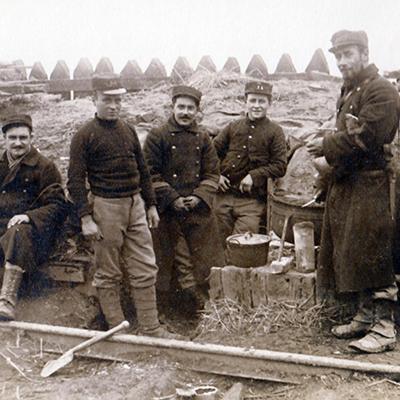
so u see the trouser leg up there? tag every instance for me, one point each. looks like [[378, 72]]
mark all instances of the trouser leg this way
[[111, 216], [247, 213], [223, 211], [183, 263]]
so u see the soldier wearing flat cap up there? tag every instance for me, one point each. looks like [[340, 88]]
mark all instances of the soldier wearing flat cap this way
[[32, 205], [251, 150], [184, 169], [119, 209], [356, 248]]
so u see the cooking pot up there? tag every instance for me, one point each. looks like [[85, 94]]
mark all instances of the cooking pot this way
[[247, 250]]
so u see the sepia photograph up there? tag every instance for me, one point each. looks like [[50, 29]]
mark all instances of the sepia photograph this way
[[199, 200]]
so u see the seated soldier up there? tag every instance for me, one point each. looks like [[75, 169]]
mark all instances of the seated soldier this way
[[32, 205]]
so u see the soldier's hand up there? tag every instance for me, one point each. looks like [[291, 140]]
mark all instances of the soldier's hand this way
[[224, 183], [153, 218], [191, 202], [246, 184], [179, 204], [18, 219], [353, 126], [90, 229], [315, 148]]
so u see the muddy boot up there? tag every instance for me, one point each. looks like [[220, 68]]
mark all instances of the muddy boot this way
[[359, 325], [9, 291], [382, 335], [147, 314], [110, 303]]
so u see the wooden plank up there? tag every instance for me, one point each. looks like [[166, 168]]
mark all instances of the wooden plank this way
[[216, 291], [189, 353]]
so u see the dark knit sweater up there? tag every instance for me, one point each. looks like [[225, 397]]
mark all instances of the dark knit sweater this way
[[109, 156]]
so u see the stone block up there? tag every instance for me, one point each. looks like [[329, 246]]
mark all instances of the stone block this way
[[231, 66], [38, 72], [206, 64], [84, 69], [104, 66], [156, 70], [60, 71], [257, 68], [285, 65], [318, 63], [131, 70], [181, 70]]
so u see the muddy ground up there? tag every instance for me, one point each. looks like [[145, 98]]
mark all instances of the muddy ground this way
[[301, 107]]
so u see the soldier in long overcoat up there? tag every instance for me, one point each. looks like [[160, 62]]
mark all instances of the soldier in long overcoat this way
[[185, 173], [32, 206], [356, 248]]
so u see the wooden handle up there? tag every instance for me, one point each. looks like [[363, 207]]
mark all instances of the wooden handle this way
[[285, 225], [100, 337]]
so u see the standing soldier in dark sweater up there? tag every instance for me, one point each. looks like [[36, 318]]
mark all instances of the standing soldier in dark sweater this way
[[119, 209], [356, 247], [184, 169], [251, 149]]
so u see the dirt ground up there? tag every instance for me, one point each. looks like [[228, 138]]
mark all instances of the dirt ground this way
[[147, 377], [301, 107]]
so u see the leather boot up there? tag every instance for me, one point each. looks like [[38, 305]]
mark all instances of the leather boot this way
[[360, 324], [110, 303], [9, 291], [147, 314], [382, 334]]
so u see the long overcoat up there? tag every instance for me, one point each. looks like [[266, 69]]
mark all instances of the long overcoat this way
[[32, 187], [356, 247]]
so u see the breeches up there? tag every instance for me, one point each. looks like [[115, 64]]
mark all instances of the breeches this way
[[126, 243]]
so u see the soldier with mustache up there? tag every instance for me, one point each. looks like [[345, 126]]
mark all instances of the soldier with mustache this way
[[184, 169]]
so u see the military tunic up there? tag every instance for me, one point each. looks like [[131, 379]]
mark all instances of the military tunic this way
[[356, 247], [183, 162]]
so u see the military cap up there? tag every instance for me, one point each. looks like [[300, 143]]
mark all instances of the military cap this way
[[258, 88], [187, 91], [108, 84], [347, 38], [16, 120]]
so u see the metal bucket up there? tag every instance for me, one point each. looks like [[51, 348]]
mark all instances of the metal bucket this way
[[247, 250]]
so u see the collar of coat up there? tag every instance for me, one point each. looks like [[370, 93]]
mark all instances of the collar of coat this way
[[173, 126], [31, 158], [369, 72], [256, 121]]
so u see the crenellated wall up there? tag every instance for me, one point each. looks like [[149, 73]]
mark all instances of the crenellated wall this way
[[78, 83]]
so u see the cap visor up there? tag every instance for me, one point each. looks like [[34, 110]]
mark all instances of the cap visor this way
[[114, 91]]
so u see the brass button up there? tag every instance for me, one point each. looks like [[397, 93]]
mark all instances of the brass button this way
[[197, 162], [358, 89], [250, 137], [198, 147], [174, 175], [244, 146], [238, 156], [173, 147], [197, 175]]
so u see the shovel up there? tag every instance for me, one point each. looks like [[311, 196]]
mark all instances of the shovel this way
[[54, 365], [282, 264]]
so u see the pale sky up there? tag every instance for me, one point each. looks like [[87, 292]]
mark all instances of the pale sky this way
[[49, 30]]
